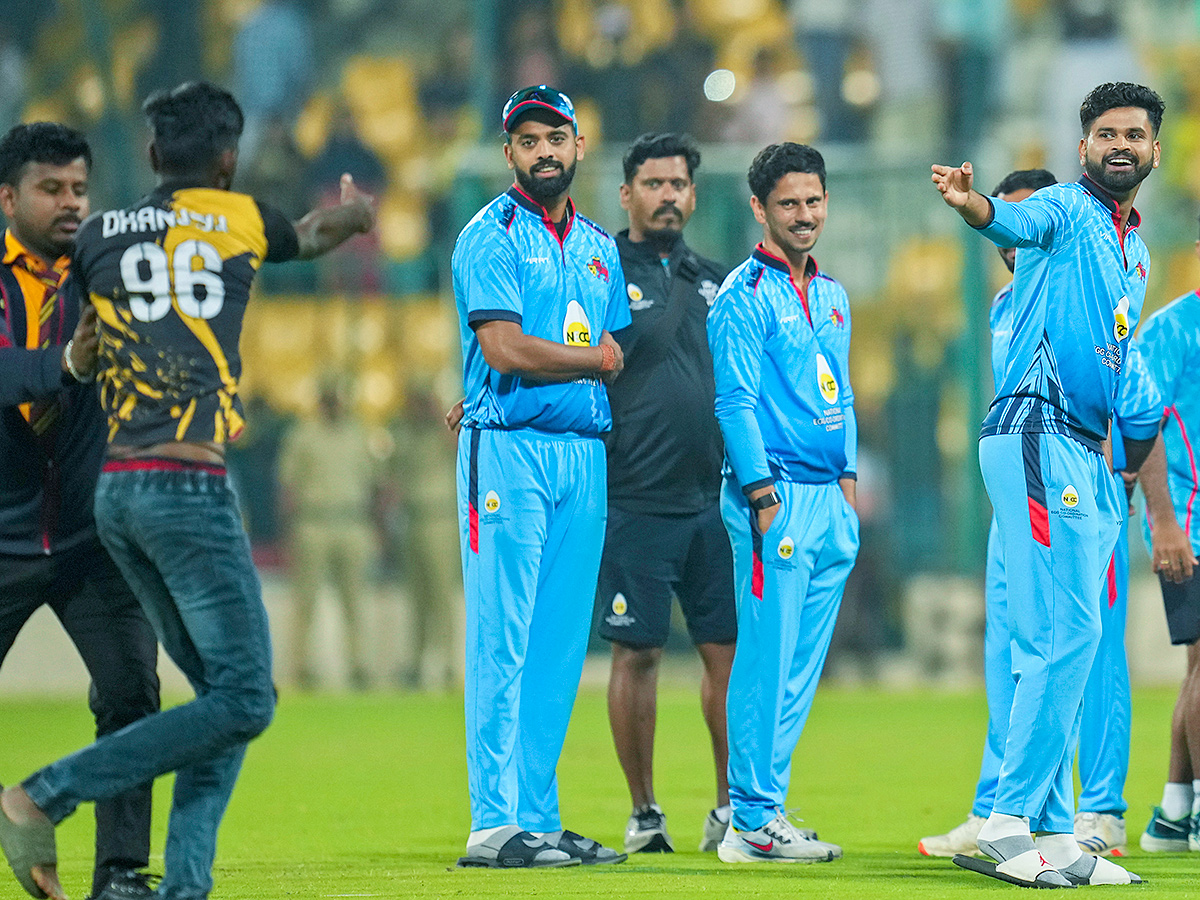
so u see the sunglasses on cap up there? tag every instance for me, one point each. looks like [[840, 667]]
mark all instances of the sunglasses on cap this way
[[538, 97]]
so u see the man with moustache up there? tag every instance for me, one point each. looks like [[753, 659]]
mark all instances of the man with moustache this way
[[1079, 285], [540, 293], [664, 531], [779, 333], [52, 437]]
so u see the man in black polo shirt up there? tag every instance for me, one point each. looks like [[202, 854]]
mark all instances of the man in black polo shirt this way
[[664, 532]]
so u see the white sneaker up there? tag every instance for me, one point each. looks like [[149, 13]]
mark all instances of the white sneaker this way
[[646, 831], [961, 839], [1100, 834], [714, 831], [777, 841]]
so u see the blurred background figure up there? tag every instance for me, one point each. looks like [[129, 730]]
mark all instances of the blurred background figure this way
[[427, 538], [329, 478]]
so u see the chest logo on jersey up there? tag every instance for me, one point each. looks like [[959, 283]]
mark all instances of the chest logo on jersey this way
[[491, 503], [1121, 313], [1141, 271], [598, 268], [836, 317], [708, 290], [1070, 496], [826, 383], [637, 299], [577, 330]]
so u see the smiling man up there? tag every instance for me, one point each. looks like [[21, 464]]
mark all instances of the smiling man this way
[[539, 291], [779, 333], [1078, 288]]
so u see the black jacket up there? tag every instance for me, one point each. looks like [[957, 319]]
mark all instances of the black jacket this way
[[45, 493], [664, 450]]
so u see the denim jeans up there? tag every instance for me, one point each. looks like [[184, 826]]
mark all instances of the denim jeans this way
[[176, 534]]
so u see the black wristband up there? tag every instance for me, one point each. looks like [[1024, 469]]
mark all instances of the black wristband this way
[[766, 501]]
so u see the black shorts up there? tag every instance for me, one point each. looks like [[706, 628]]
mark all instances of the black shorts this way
[[649, 558], [1182, 604]]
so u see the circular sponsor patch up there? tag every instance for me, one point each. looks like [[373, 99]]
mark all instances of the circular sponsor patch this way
[[491, 502], [826, 383], [1121, 323], [619, 606], [1070, 496], [577, 330], [786, 548], [634, 292]]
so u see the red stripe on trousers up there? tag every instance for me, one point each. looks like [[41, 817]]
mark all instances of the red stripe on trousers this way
[[473, 526], [756, 577], [1112, 581], [1039, 522]]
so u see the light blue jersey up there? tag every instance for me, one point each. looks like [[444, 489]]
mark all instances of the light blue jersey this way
[[781, 361], [1170, 342], [1062, 367], [510, 252], [1000, 322]]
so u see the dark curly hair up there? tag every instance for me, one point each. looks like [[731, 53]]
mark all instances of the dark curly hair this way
[[777, 160], [43, 142], [660, 146], [1115, 95], [193, 124]]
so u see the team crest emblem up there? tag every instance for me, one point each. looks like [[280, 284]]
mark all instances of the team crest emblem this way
[[619, 606], [577, 330], [836, 317], [1121, 313], [787, 547], [598, 268], [1141, 271], [491, 502], [826, 383], [1070, 496]]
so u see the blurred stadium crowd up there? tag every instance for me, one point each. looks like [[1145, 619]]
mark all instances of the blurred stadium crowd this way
[[405, 96]]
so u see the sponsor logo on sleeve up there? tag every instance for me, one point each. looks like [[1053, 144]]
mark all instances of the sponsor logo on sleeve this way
[[637, 299], [619, 617]]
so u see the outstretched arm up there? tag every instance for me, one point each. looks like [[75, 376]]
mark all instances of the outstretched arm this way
[[955, 186], [323, 229]]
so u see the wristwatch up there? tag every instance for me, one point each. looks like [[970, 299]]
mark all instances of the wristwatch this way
[[766, 501]]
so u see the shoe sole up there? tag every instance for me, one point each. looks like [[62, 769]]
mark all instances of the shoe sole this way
[[1163, 845], [734, 855], [945, 854], [656, 843], [611, 861], [480, 862], [988, 867]]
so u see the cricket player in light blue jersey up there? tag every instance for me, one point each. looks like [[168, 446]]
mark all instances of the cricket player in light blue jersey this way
[[540, 293], [1170, 340], [780, 338], [1104, 729], [1078, 289]]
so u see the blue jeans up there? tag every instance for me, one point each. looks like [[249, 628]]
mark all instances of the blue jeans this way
[[176, 534]]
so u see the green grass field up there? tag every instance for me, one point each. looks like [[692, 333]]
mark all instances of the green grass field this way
[[366, 797]]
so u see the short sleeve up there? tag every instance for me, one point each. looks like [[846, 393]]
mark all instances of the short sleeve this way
[[282, 243]]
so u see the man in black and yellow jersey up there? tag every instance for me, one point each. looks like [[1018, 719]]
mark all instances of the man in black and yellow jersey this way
[[51, 448], [170, 278]]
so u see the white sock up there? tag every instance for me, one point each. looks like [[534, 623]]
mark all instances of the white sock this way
[[478, 837], [1177, 800], [1000, 825], [723, 813], [1196, 797], [1060, 850]]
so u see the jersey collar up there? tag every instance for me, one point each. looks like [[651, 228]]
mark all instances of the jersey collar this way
[[762, 255], [523, 200], [1135, 217], [15, 251]]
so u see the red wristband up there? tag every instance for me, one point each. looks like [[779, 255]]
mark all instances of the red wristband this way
[[608, 360]]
